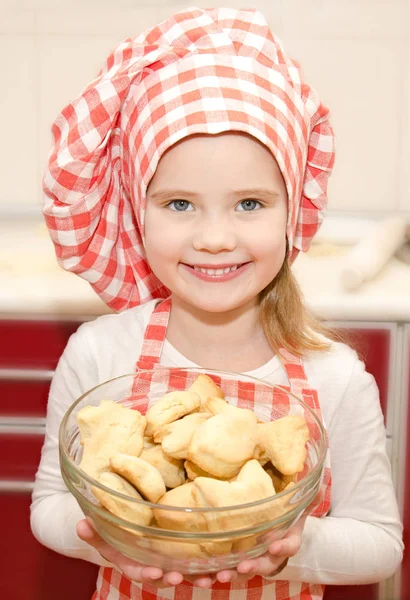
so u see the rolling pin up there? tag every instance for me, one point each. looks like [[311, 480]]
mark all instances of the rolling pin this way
[[368, 257]]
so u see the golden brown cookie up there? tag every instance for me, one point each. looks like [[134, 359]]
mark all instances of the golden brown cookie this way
[[171, 469], [141, 474], [284, 441], [206, 388], [279, 481], [106, 430], [223, 443], [177, 549], [217, 406], [193, 471], [171, 407], [179, 520], [125, 509], [176, 437], [252, 484]]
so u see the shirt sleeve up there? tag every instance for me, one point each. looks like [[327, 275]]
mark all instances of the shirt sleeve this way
[[360, 541], [54, 510]]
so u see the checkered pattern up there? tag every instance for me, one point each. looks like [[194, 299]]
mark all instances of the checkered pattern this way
[[200, 71], [111, 585]]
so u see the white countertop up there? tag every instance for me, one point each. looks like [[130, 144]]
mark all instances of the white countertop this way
[[32, 283]]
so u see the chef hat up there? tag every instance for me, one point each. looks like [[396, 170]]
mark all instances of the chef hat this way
[[199, 72]]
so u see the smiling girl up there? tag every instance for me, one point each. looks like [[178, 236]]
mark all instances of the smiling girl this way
[[182, 184]]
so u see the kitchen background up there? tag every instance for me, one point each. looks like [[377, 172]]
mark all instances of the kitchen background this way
[[357, 55]]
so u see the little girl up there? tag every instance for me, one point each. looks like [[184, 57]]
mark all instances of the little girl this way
[[182, 184]]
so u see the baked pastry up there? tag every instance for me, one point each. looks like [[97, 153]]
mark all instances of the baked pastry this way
[[134, 512], [280, 482], [284, 442], [185, 549], [106, 430], [223, 443], [181, 496], [252, 484], [193, 471], [171, 407], [206, 388], [176, 437], [141, 474], [217, 406], [171, 469]]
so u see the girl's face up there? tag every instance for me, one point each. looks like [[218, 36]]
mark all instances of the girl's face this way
[[215, 223]]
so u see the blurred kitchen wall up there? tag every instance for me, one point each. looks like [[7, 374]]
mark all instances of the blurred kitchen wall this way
[[356, 53]]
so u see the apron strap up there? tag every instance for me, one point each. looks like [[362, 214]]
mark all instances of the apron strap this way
[[154, 336], [299, 384]]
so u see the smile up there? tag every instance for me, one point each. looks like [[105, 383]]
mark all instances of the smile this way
[[217, 273]]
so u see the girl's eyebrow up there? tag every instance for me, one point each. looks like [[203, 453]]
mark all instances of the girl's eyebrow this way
[[251, 192], [258, 192], [165, 194]]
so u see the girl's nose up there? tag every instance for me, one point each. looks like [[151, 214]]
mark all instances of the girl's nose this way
[[214, 235]]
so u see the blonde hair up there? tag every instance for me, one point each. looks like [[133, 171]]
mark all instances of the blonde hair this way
[[287, 322]]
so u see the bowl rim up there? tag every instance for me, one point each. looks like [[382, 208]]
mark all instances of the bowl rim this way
[[220, 510]]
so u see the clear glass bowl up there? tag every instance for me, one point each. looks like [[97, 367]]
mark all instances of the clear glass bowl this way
[[194, 551]]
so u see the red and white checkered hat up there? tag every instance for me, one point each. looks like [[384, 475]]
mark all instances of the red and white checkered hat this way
[[200, 71]]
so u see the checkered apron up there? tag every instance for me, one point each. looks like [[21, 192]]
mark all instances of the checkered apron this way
[[112, 585]]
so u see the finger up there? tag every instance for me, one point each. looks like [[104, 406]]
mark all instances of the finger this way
[[226, 576], [288, 546], [204, 581], [264, 565], [150, 574], [132, 569], [86, 533], [172, 578]]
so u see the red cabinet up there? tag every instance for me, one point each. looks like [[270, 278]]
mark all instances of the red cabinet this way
[[29, 571], [28, 354], [373, 346], [405, 570]]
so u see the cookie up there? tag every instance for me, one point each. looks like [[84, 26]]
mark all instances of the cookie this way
[[252, 484], [106, 430], [182, 497], [284, 442], [223, 443], [171, 469], [141, 474], [125, 509], [171, 407], [206, 388], [176, 437], [280, 482]]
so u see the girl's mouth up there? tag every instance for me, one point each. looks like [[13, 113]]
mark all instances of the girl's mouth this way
[[217, 273]]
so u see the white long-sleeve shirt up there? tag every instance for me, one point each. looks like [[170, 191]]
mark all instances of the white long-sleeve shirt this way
[[360, 540]]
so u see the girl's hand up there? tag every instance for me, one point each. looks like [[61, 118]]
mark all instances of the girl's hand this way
[[131, 569], [266, 565], [271, 563]]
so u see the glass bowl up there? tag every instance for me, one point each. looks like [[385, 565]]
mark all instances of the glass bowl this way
[[192, 550]]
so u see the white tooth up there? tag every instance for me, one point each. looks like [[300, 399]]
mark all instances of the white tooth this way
[[203, 270], [211, 271], [227, 270], [196, 269], [233, 268], [219, 272]]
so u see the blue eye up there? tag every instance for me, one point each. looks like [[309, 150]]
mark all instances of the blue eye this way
[[249, 205], [180, 205]]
